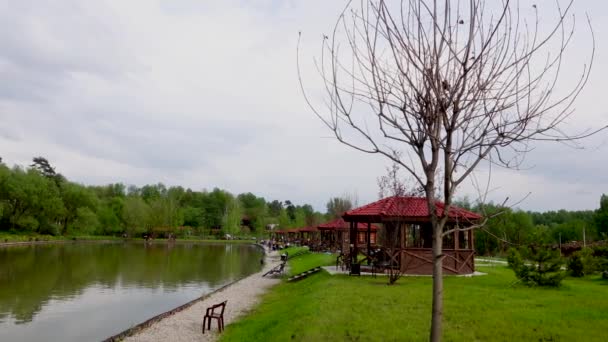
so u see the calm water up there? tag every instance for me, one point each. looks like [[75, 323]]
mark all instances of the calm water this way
[[90, 291]]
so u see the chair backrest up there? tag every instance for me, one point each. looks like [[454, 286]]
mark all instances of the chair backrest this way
[[221, 305]]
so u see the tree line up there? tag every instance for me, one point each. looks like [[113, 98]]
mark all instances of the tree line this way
[[507, 227], [37, 199]]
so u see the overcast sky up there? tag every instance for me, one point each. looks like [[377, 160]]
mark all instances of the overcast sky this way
[[204, 93]]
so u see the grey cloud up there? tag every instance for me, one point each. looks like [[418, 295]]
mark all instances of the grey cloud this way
[[44, 43], [8, 134], [156, 144], [567, 164]]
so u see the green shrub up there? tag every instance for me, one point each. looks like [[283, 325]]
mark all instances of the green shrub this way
[[583, 263], [600, 251], [538, 266], [576, 265]]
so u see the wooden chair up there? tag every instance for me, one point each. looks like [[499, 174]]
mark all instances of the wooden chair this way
[[217, 315]]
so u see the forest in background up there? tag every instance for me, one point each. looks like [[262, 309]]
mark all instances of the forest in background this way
[[38, 200], [507, 227]]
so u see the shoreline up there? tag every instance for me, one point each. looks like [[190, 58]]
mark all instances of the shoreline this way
[[44, 242], [119, 240], [184, 323], [147, 323]]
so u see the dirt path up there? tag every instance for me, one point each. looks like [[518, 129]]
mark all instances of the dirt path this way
[[186, 325]]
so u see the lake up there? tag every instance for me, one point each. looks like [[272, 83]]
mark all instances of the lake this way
[[90, 291]]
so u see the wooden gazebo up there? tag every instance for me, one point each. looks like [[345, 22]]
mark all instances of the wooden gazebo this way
[[309, 233], [278, 235], [408, 231], [292, 235], [334, 234]]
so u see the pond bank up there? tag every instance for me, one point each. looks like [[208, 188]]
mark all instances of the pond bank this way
[[44, 242], [118, 240], [185, 322]]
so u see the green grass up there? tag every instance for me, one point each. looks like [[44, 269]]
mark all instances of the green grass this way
[[486, 308], [293, 250], [305, 262]]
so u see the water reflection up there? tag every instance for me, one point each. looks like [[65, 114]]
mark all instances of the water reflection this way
[[56, 290]]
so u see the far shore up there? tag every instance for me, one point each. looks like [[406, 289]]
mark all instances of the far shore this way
[[5, 242]]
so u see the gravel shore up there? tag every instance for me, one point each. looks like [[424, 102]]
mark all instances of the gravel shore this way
[[186, 325]]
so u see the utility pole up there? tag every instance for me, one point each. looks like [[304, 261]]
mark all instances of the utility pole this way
[[584, 238], [560, 243]]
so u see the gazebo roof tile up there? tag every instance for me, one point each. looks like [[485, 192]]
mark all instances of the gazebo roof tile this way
[[341, 224], [407, 207]]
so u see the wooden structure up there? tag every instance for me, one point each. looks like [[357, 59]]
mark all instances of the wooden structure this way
[[309, 234], [292, 235], [407, 234], [334, 234], [278, 235]]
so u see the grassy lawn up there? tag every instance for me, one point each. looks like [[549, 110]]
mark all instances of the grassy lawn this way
[[485, 308], [311, 260], [293, 250]]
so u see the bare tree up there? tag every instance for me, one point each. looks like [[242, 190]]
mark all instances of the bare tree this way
[[392, 184], [439, 87]]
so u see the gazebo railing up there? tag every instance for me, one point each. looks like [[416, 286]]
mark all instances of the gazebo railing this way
[[420, 260]]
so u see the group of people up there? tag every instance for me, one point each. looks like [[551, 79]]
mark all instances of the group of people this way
[[276, 245]]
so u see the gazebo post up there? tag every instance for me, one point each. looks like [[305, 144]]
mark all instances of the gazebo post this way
[[353, 242], [402, 244], [456, 248], [471, 240], [369, 243]]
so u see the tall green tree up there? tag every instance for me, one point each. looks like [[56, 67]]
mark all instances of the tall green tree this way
[[135, 215], [232, 219], [290, 209], [601, 218], [255, 209], [74, 197], [274, 208], [31, 201]]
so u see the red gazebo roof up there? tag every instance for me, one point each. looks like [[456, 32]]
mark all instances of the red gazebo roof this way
[[407, 208], [308, 229], [340, 224]]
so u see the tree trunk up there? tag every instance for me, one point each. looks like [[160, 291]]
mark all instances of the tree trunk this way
[[437, 315], [437, 246]]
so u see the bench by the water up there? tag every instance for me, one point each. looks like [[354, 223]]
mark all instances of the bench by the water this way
[[304, 274], [276, 270]]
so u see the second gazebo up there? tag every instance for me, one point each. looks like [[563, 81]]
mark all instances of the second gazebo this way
[[407, 234]]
